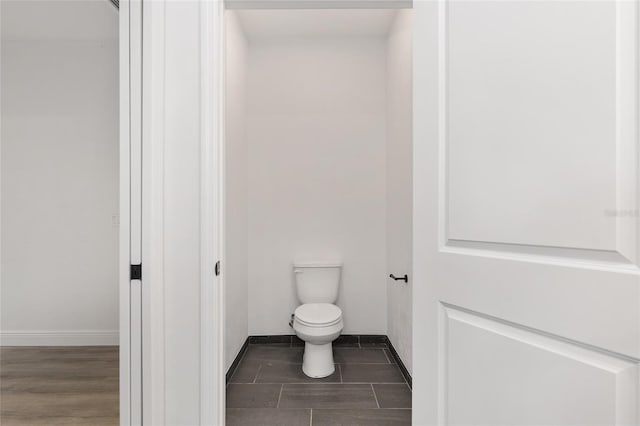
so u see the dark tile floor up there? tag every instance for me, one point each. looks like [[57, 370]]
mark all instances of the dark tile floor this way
[[269, 388]]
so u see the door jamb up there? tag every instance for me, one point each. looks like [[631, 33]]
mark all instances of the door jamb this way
[[125, 228], [130, 57], [212, 385]]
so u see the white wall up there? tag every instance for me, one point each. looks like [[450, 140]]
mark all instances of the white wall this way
[[399, 183], [316, 145], [59, 176], [235, 252]]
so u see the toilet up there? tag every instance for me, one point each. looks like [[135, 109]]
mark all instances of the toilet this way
[[317, 321]]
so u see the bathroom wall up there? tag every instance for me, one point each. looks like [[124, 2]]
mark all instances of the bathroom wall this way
[[316, 182], [235, 250], [59, 173], [399, 184]]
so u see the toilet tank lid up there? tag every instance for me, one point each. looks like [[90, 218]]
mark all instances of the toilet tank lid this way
[[317, 264]]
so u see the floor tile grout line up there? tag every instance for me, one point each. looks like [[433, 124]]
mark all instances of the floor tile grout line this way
[[387, 356], [374, 395], [280, 395], [239, 363], [340, 371], [362, 363], [257, 372], [391, 408], [337, 363], [321, 383], [311, 417]]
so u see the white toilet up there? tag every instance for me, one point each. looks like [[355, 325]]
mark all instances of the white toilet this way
[[317, 321]]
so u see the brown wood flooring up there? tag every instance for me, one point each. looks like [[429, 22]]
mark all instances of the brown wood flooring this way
[[68, 385]]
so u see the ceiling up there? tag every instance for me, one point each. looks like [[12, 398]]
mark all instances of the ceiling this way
[[98, 20], [271, 23], [76, 20]]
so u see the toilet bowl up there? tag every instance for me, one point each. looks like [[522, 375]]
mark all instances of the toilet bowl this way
[[318, 325], [317, 321]]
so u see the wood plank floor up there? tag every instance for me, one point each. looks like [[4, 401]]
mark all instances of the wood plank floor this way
[[59, 386]]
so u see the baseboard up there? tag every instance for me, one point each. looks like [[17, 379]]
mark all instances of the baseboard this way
[[59, 338], [403, 368], [271, 339], [353, 340], [237, 359], [343, 340]]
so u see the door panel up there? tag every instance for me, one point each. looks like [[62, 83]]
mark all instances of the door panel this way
[[533, 378], [520, 146], [526, 299]]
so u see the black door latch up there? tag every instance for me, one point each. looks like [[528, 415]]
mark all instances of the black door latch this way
[[135, 272]]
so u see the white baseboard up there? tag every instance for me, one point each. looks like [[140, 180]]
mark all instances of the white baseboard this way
[[59, 338]]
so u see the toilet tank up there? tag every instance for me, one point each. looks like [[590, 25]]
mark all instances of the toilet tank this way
[[317, 282]]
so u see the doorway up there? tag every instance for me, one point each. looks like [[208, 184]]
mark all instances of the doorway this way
[[317, 168], [66, 198]]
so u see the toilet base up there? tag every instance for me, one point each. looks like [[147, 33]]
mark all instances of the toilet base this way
[[317, 361]]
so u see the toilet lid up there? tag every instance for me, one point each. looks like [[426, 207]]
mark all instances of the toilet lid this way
[[318, 314]]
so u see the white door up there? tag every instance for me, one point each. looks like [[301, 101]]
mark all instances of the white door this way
[[175, 59], [527, 288]]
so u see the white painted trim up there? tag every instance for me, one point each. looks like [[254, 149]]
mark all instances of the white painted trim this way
[[60, 338], [427, 378], [212, 385], [136, 325], [153, 199], [125, 235]]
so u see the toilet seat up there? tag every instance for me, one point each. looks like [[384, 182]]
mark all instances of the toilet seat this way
[[318, 314]]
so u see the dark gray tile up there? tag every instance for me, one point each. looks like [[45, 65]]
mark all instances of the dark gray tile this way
[[274, 354], [296, 341], [371, 373], [358, 355], [289, 373], [376, 417], [327, 396], [393, 395], [389, 355], [333, 403], [268, 340], [267, 417], [372, 339], [373, 345], [246, 372], [275, 345], [253, 396], [347, 340]]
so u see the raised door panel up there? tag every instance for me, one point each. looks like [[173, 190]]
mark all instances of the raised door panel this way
[[504, 374], [535, 138]]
